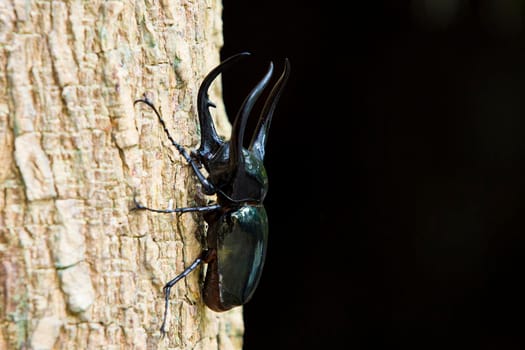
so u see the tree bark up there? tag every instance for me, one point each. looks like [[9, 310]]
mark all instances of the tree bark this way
[[78, 269]]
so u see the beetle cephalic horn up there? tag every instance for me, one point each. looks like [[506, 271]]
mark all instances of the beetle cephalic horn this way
[[210, 141], [258, 142], [239, 125]]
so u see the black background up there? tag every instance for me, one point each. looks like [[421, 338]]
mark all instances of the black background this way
[[396, 162]]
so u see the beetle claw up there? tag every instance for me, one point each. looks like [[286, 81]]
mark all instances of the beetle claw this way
[[136, 203]]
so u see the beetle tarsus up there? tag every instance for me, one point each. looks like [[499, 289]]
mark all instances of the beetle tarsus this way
[[167, 287]]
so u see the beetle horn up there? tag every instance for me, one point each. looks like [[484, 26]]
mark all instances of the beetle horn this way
[[239, 125], [258, 142], [210, 141]]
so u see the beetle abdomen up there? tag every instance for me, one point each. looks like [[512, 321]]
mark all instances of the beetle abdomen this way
[[241, 237]]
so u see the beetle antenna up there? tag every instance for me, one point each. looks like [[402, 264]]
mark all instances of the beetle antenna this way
[[239, 125], [258, 142], [210, 141]]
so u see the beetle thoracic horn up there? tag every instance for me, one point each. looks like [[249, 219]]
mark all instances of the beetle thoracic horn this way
[[258, 142], [239, 125], [210, 141]]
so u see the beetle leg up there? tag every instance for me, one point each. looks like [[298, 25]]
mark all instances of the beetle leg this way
[[208, 187], [201, 209], [167, 288]]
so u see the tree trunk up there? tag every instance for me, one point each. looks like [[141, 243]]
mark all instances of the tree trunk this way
[[78, 269]]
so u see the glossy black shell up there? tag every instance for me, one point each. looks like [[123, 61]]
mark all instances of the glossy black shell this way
[[238, 241]]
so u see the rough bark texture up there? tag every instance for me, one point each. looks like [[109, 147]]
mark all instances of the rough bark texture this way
[[78, 269]]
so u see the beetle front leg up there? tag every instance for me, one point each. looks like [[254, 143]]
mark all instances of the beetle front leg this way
[[208, 187]]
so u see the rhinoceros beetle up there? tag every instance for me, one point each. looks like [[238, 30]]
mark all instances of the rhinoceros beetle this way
[[237, 234]]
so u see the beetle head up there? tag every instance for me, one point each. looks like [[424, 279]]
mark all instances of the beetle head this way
[[238, 172]]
